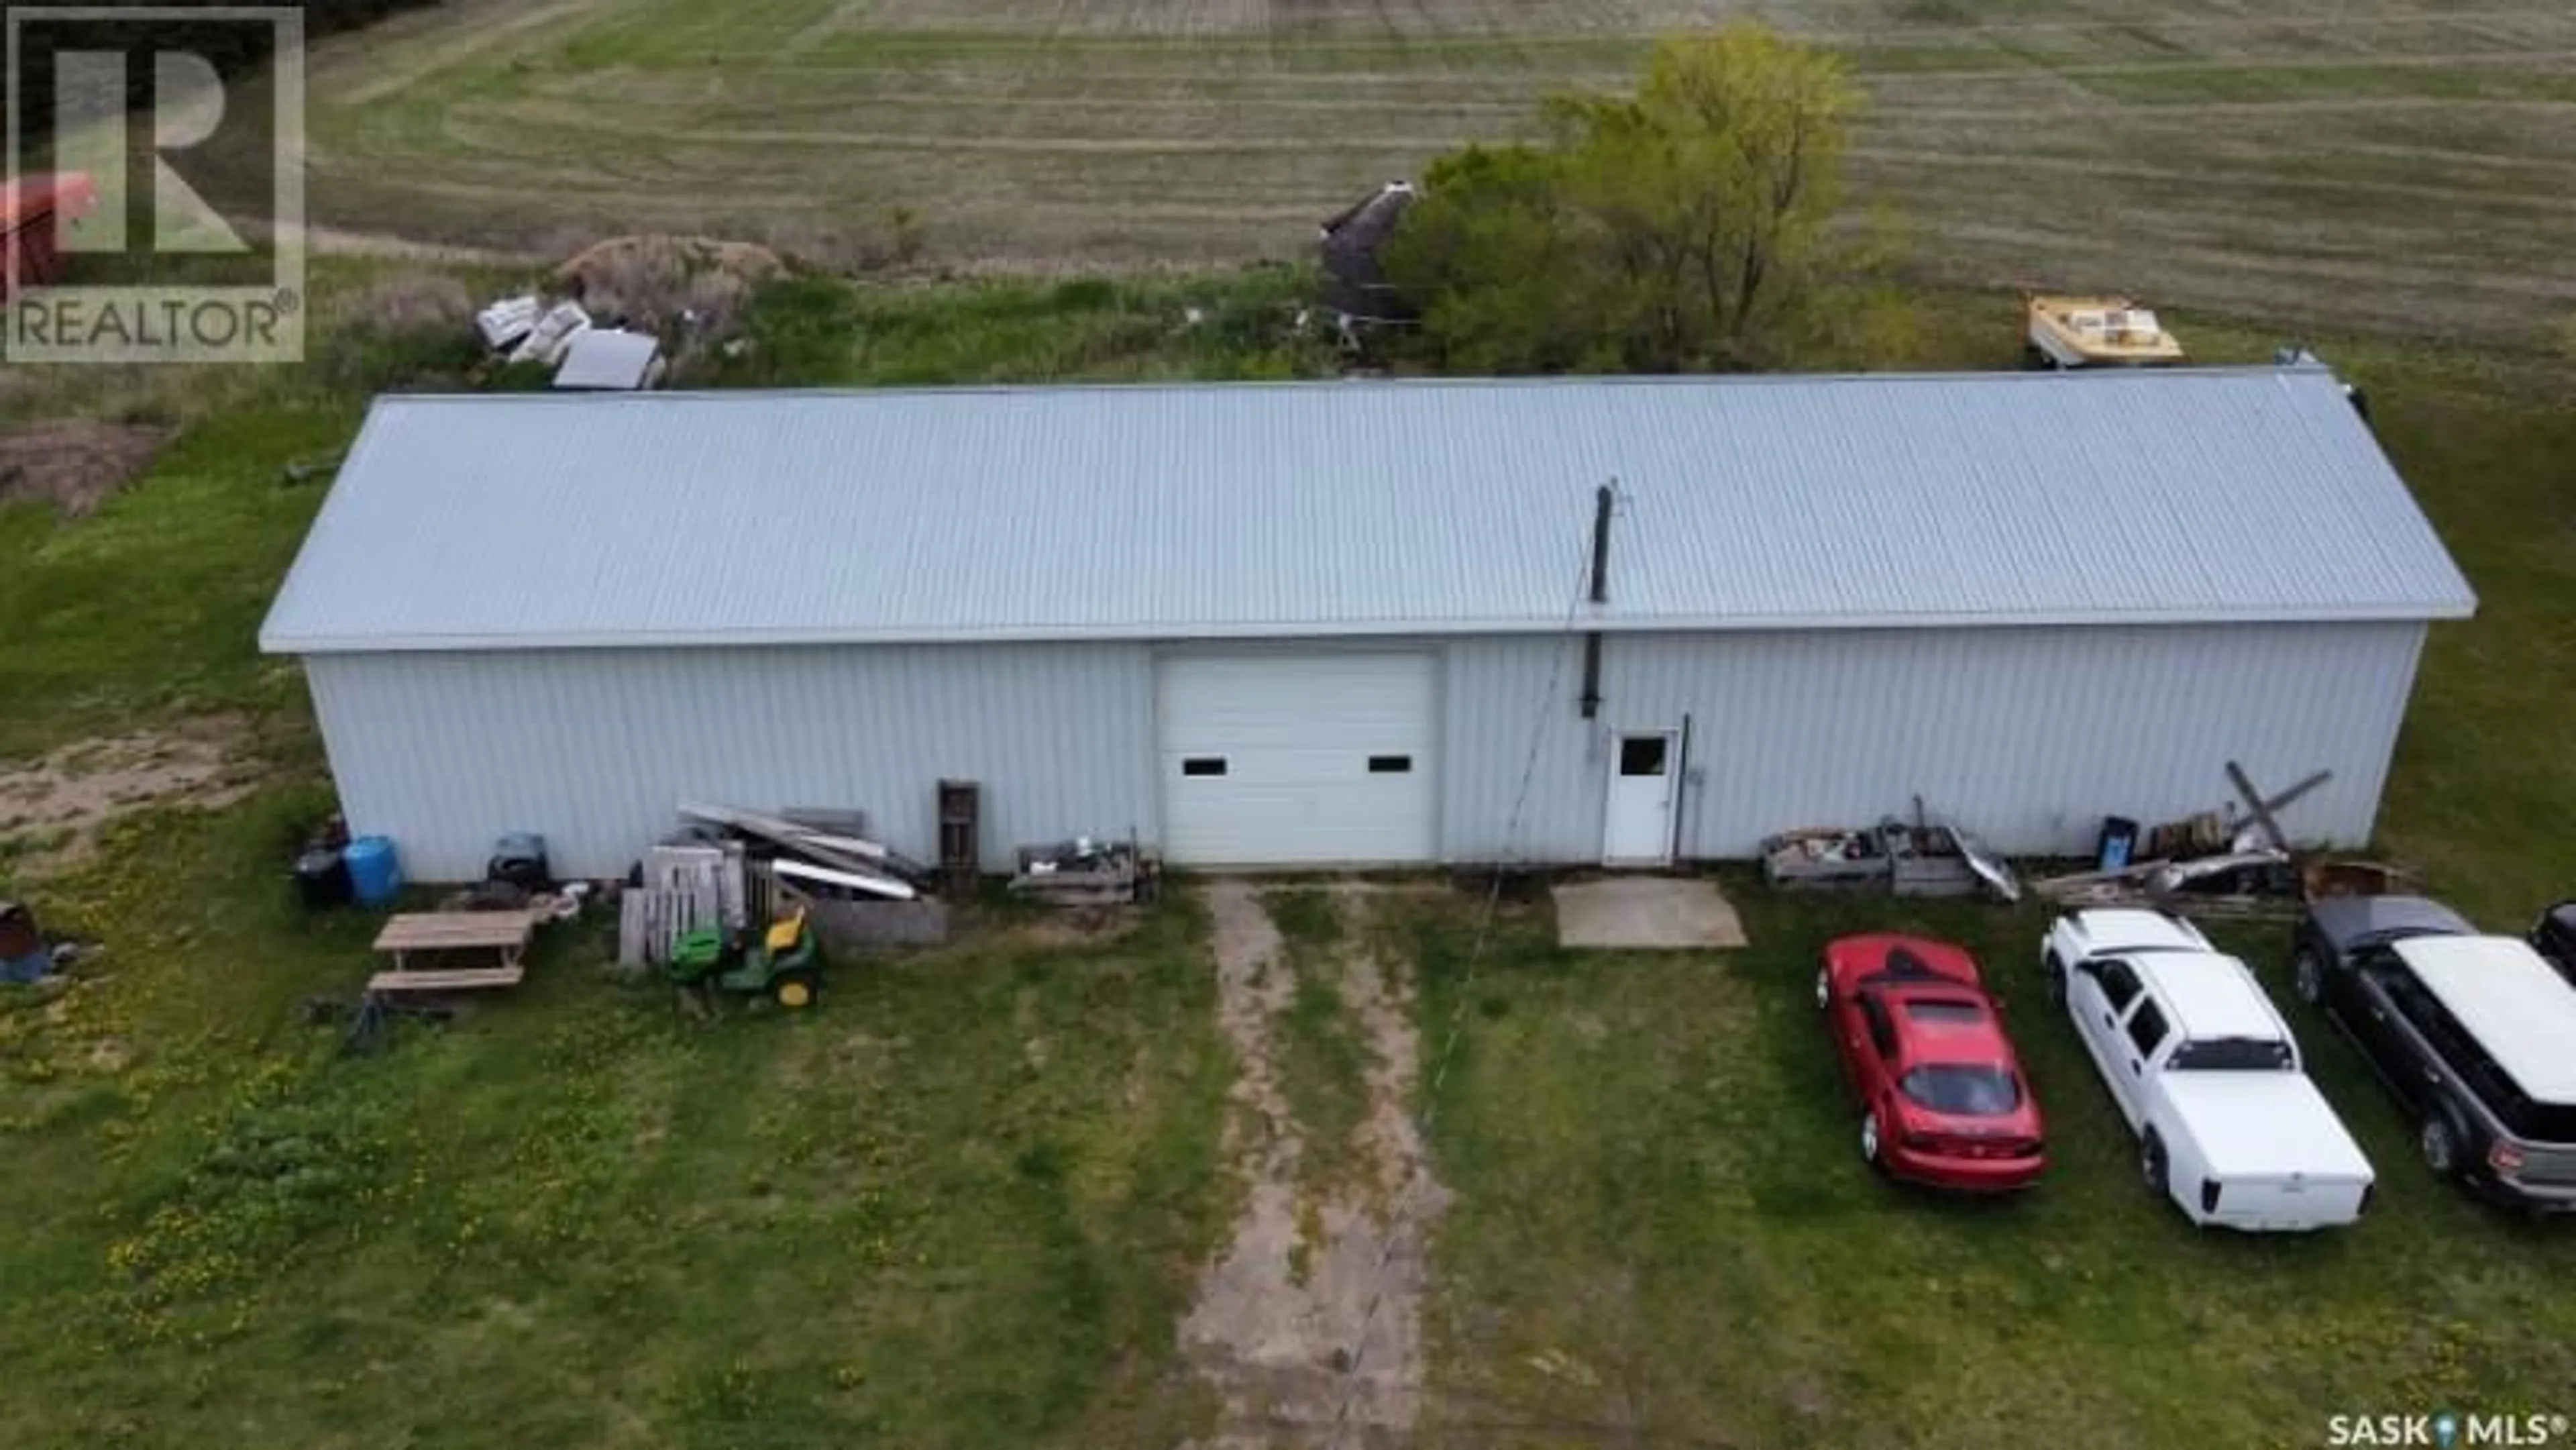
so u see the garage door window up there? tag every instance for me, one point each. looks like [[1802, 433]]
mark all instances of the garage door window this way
[[1204, 765], [1390, 765]]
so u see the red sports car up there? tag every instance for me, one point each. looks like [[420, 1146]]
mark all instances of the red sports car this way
[[1943, 1099]]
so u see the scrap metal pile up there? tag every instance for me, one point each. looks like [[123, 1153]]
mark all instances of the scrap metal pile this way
[[730, 868], [1927, 857], [2215, 864], [1087, 871], [2236, 862], [564, 337]]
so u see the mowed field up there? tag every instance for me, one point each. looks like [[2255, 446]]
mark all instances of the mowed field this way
[[2393, 166]]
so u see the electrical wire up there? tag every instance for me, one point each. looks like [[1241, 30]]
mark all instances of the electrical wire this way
[[1354, 1360]]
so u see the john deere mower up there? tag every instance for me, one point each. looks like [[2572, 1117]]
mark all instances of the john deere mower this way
[[785, 964]]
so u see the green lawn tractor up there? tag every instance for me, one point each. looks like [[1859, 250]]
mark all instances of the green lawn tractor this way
[[785, 964]]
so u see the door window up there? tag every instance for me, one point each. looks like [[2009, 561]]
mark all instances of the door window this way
[[2119, 984], [2147, 1028], [2380, 965], [1642, 755], [2451, 1042], [1882, 1031], [2419, 1009]]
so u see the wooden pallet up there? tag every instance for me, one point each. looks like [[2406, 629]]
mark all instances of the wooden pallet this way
[[710, 876], [650, 919]]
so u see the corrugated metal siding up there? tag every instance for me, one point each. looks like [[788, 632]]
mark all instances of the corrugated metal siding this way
[[1389, 507], [2029, 736], [595, 749]]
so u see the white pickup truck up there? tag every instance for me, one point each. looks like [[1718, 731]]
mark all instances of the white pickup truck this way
[[2206, 1072]]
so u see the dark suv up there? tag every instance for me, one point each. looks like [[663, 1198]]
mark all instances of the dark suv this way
[[2474, 1034], [2555, 935]]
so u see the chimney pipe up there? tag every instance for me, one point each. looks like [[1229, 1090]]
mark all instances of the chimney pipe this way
[[1602, 499]]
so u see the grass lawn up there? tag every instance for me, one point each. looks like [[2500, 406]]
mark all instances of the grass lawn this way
[[964, 1204], [1323, 1058], [1663, 1226], [959, 1206]]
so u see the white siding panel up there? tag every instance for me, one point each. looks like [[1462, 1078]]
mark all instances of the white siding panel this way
[[2030, 736], [594, 749], [1522, 774]]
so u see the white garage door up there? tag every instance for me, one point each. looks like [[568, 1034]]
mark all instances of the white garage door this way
[[1273, 760]]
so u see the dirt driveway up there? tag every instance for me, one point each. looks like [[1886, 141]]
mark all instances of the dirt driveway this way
[[1310, 1321]]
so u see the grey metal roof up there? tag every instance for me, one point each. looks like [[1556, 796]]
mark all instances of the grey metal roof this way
[[551, 520]]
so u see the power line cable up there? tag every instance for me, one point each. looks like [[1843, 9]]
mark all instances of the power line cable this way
[[1353, 1361]]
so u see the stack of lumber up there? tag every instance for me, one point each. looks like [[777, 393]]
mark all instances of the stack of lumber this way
[[817, 853], [2152, 885]]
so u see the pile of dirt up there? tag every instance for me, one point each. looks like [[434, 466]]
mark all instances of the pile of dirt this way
[[653, 281], [73, 466]]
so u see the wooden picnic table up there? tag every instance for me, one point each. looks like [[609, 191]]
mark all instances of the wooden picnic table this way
[[503, 933]]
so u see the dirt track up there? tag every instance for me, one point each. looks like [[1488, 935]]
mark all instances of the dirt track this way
[[1316, 1342], [2392, 164]]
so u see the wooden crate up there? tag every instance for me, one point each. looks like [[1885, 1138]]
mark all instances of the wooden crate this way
[[1924, 860], [1134, 876], [2319, 879], [1823, 859]]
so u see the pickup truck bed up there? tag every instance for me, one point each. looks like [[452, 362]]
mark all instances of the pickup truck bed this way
[[2264, 1123], [2273, 1151]]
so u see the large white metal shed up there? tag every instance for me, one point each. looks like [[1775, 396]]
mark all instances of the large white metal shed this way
[[1356, 623]]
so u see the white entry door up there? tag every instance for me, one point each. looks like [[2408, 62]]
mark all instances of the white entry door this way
[[1282, 760], [1639, 831]]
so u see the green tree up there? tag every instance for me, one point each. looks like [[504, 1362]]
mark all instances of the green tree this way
[[1503, 260], [1689, 225]]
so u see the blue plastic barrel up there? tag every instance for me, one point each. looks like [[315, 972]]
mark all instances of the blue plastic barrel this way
[[2118, 841], [374, 874]]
